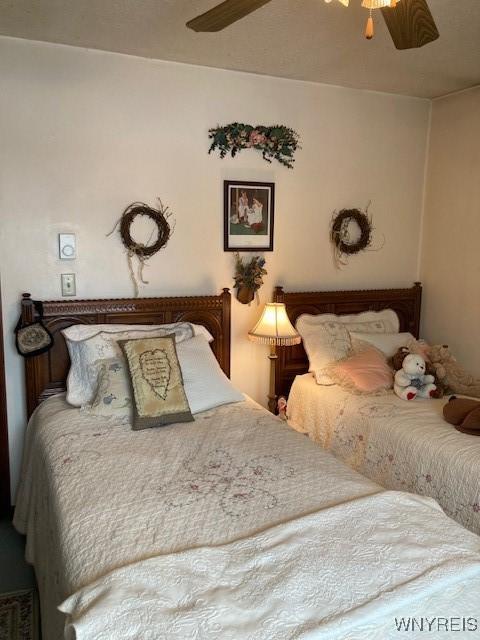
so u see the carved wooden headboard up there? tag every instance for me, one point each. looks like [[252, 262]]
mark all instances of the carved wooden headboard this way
[[293, 361], [46, 374]]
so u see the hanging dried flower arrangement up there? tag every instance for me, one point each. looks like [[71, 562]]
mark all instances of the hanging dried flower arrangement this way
[[248, 277], [276, 142], [143, 251]]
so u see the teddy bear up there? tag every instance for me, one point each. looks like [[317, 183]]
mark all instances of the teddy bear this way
[[412, 381], [464, 413], [451, 374], [397, 361]]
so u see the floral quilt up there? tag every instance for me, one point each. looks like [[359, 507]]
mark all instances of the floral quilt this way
[[231, 527], [401, 445]]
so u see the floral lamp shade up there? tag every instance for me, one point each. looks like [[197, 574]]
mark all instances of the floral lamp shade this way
[[274, 327]]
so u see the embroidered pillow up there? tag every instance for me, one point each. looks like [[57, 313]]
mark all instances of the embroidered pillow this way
[[114, 395], [326, 336], [89, 343], [158, 394], [364, 372], [388, 343]]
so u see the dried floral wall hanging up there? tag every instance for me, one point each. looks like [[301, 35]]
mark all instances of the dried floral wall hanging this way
[[248, 277], [143, 251], [276, 142], [350, 232]]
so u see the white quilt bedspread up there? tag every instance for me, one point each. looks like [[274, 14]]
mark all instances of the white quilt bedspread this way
[[231, 527], [311, 577], [401, 445]]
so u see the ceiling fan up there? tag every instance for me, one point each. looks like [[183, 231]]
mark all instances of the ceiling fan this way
[[410, 22]]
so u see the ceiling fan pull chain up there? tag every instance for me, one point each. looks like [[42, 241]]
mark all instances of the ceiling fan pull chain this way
[[369, 28]]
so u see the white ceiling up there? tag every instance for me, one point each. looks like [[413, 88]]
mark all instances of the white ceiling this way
[[301, 39]]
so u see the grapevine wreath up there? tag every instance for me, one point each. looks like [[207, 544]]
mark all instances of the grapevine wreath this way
[[159, 218], [143, 252], [340, 234]]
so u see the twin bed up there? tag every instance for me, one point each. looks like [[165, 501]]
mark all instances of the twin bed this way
[[232, 526], [404, 446]]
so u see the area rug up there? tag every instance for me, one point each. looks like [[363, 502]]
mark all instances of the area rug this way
[[19, 616]]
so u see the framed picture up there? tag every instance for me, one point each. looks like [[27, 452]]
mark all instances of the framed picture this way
[[248, 215]]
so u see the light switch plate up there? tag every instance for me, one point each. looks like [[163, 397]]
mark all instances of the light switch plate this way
[[68, 284], [67, 249]]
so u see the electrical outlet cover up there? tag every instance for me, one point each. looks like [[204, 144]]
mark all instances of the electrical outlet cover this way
[[68, 284]]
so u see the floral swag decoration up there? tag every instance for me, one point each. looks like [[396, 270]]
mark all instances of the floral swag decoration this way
[[276, 142]]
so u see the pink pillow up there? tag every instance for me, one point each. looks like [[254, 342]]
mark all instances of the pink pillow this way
[[363, 372]]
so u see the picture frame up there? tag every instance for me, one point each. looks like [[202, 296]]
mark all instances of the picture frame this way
[[249, 209]]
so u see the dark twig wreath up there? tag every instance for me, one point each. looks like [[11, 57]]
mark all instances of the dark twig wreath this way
[[164, 229], [343, 246], [159, 217]]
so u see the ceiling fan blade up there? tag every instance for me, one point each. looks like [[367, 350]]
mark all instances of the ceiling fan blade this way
[[224, 14], [410, 23]]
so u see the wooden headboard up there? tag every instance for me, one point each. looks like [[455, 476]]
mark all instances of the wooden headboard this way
[[293, 361], [46, 374]]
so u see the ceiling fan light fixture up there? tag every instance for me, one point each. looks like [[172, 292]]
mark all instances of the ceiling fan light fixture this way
[[375, 4], [344, 2], [378, 4]]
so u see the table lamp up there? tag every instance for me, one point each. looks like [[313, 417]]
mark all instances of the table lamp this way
[[274, 328]]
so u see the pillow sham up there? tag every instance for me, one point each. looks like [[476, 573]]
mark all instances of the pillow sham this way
[[83, 331], [364, 372], [114, 395], [206, 385], [388, 343], [326, 337], [88, 343], [158, 393]]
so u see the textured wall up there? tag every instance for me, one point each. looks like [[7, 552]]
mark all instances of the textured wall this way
[[84, 133], [450, 266]]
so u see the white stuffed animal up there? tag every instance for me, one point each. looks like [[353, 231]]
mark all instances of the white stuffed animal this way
[[411, 381]]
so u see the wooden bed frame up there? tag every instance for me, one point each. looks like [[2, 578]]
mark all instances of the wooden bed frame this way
[[46, 374], [293, 361]]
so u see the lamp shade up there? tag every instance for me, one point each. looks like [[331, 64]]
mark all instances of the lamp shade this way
[[274, 327]]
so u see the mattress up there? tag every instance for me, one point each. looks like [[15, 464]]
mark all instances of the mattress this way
[[231, 527], [401, 445]]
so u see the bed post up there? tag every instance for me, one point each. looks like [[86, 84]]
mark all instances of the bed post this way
[[28, 316], [278, 294], [226, 306], [417, 308]]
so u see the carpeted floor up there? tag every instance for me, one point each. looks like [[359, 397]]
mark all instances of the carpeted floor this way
[[19, 615], [18, 598]]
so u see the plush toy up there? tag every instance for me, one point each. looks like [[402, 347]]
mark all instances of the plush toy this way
[[464, 414], [397, 362], [451, 374], [411, 380]]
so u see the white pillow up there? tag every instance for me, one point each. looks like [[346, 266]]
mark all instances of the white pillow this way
[[83, 331], [326, 336], [388, 343], [88, 343], [206, 386]]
